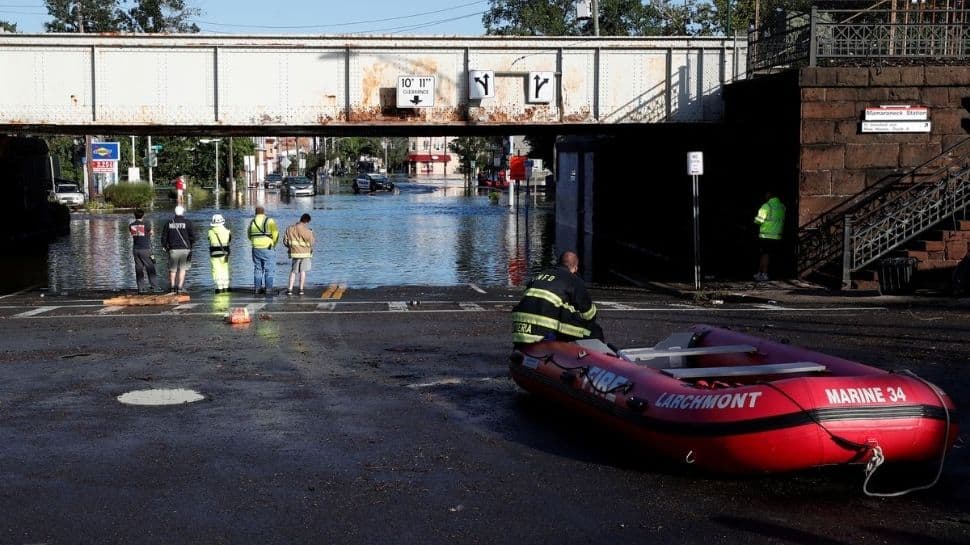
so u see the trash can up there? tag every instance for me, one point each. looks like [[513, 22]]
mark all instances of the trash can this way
[[896, 275]]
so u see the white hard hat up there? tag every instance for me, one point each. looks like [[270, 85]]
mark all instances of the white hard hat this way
[[179, 210], [217, 219]]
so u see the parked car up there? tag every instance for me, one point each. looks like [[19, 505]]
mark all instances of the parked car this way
[[273, 181], [68, 194], [372, 181], [298, 186]]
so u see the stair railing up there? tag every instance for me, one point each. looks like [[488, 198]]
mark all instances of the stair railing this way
[[908, 213]]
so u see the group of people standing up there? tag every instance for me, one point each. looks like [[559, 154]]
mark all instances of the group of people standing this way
[[178, 239]]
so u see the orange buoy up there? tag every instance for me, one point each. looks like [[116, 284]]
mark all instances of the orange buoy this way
[[238, 315]]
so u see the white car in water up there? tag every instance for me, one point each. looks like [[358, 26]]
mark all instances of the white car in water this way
[[68, 194]]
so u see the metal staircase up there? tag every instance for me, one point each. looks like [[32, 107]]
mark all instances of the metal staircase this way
[[887, 215]]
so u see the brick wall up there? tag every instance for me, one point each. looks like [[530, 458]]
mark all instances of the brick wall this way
[[837, 161]]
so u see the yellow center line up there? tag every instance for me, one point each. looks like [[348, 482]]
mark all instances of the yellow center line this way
[[329, 291], [340, 291]]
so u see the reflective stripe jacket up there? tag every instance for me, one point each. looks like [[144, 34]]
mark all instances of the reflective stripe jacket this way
[[555, 305], [771, 219], [219, 238], [263, 233], [299, 240]]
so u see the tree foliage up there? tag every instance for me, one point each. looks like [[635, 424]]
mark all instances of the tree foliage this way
[[120, 16], [8, 27], [474, 151]]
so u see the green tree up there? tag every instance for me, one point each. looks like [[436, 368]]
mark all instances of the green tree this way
[[472, 151], [558, 18], [8, 27], [95, 16], [161, 16]]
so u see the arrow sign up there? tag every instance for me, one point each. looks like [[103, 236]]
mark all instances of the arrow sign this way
[[416, 91], [481, 84], [540, 90]]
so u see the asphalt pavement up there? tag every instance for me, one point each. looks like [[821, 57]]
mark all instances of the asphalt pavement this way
[[388, 416]]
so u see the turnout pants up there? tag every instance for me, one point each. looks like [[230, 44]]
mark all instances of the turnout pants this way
[[220, 271]]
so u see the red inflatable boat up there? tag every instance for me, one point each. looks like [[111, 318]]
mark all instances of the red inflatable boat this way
[[729, 402]]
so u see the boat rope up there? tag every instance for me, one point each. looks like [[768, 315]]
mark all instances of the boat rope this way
[[837, 439], [877, 458]]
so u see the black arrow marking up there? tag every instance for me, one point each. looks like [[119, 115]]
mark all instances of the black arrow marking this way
[[540, 84], [416, 100], [484, 84]]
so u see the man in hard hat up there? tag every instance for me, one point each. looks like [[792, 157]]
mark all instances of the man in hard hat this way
[[219, 238]]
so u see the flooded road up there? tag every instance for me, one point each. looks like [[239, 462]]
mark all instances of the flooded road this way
[[423, 234]]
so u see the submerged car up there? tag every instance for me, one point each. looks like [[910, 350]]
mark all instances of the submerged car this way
[[372, 181], [298, 186], [273, 181], [68, 194]]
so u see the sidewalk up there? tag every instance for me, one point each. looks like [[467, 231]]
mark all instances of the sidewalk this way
[[796, 291]]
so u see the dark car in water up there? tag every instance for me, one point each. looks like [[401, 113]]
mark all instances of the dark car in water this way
[[372, 181], [273, 181]]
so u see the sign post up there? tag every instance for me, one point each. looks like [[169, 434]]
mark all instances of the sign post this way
[[695, 168]]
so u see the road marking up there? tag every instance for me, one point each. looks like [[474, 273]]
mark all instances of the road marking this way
[[476, 288], [471, 306], [253, 308], [450, 381], [35, 312], [327, 306], [25, 290], [186, 306], [615, 306], [108, 310], [397, 306]]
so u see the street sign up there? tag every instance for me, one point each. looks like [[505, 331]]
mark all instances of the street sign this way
[[157, 147], [105, 151], [897, 113], [416, 91], [896, 126], [481, 84], [542, 87], [695, 163], [517, 167]]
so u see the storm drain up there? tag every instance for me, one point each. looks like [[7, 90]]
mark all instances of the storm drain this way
[[160, 397]]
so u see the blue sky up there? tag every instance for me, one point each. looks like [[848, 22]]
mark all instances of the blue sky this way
[[424, 17]]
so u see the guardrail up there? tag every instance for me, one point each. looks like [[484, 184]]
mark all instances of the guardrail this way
[[860, 37]]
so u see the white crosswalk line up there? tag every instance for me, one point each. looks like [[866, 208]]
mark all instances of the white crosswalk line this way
[[34, 312], [614, 305], [253, 308], [186, 306], [109, 310], [397, 306], [476, 288], [471, 306], [327, 306]]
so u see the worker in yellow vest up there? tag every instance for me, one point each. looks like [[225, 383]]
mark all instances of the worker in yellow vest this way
[[771, 224], [263, 235], [299, 241], [219, 238]]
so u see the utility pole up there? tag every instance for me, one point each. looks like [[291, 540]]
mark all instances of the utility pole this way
[[148, 154], [232, 172], [88, 165], [80, 18], [596, 18]]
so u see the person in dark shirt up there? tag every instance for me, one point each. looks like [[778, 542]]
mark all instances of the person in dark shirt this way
[[141, 251], [178, 239]]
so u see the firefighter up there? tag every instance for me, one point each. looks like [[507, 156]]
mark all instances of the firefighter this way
[[219, 238], [556, 306]]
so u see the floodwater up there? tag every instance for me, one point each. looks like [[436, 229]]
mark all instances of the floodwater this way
[[422, 234]]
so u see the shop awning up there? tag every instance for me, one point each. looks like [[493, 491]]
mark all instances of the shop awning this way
[[429, 157]]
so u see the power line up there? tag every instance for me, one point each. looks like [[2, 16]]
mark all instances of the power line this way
[[418, 25], [350, 23]]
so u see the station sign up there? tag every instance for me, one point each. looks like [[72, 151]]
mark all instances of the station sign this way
[[105, 151], [416, 91], [897, 113], [481, 84], [542, 87]]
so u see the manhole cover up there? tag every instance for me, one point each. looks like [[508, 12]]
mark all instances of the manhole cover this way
[[160, 397]]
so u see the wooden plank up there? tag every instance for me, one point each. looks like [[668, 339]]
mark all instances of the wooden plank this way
[[144, 300], [745, 370]]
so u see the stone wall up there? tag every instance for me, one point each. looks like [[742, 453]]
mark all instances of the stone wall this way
[[838, 161]]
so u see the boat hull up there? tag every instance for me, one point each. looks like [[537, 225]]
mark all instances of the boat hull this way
[[755, 424]]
